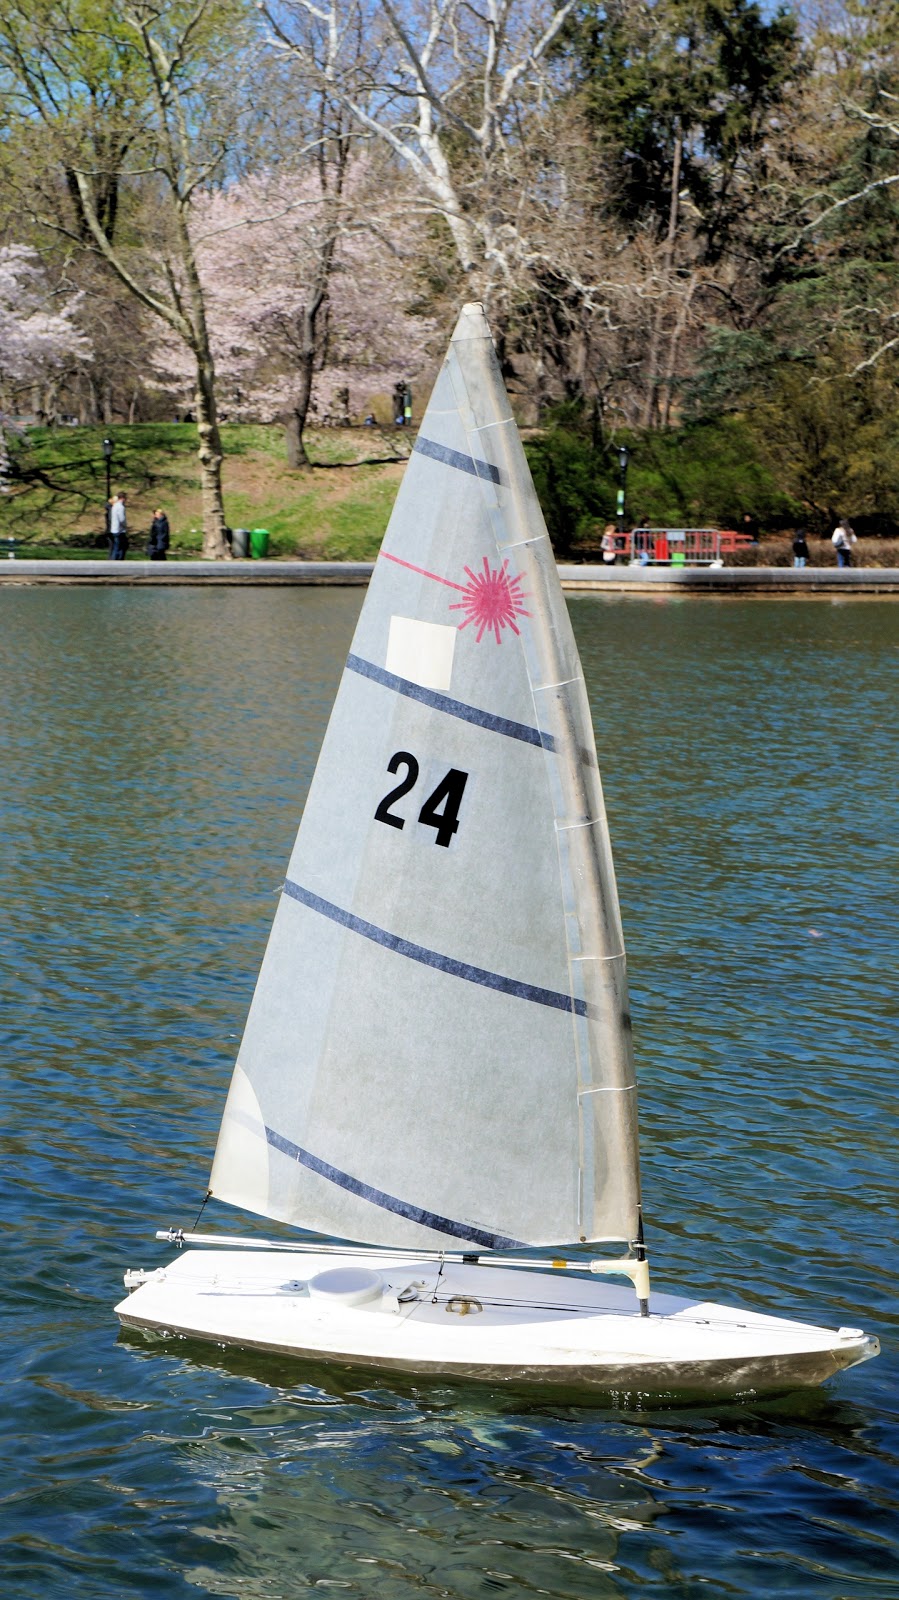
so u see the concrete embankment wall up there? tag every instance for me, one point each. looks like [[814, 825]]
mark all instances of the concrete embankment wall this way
[[589, 580]]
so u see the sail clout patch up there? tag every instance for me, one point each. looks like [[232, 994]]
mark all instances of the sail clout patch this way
[[421, 652]]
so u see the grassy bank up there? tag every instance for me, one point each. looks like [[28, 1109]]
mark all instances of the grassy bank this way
[[338, 510]]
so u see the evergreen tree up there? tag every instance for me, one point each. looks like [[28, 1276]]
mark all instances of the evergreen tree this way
[[679, 94]]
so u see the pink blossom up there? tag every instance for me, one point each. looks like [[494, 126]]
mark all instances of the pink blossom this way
[[38, 333], [258, 243]]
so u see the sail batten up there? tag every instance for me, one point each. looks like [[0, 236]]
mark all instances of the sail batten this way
[[434, 958], [452, 708], [444, 989], [456, 458], [389, 1202]]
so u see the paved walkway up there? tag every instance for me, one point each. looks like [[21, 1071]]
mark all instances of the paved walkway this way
[[731, 580], [592, 580]]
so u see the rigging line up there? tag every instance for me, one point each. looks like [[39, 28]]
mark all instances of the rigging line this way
[[494, 1302], [251, 1287], [720, 1324], [434, 1300]]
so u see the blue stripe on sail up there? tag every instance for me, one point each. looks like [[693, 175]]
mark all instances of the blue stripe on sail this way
[[456, 458], [453, 708], [388, 1202], [433, 958]]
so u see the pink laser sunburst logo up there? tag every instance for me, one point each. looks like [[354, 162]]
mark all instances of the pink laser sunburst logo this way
[[491, 599]]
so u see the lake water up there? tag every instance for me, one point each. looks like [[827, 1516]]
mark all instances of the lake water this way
[[155, 750]]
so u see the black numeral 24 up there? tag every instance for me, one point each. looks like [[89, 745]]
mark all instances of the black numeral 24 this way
[[440, 810]]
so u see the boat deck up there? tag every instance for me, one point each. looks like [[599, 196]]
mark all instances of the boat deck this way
[[489, 1322]]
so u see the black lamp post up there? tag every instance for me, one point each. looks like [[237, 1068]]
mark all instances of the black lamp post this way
[[107, 457], [623, 455]]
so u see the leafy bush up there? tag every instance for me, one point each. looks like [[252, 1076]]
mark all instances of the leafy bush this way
[[574, 483], [705, 473], [701, 473]]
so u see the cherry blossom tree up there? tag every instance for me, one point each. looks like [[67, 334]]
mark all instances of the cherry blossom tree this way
[[473, 107], [268, 248], [39, 335]]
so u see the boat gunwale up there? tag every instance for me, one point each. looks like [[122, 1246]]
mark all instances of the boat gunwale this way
[[724, 1377]]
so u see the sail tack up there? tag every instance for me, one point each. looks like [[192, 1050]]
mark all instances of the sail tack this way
[[438, 1048]]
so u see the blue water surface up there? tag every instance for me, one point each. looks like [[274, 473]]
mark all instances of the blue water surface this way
[[155, 748]]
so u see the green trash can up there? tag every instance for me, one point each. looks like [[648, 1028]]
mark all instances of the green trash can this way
[[678, 558], [259, 542]]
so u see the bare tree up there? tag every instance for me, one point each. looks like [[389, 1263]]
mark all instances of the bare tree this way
[[445, 86]]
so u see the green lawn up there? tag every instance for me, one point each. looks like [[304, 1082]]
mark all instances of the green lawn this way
[[337, 509]]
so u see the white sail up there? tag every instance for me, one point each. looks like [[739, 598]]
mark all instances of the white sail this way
[[438, 1047]]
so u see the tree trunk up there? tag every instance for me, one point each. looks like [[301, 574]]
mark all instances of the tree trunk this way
[[184, 310], [596, 424], [677, 333], [210, 453], [215, 545], [296, 418], [655, 342], [295, 421]]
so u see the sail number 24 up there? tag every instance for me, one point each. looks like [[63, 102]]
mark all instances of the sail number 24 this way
[[440, 810]]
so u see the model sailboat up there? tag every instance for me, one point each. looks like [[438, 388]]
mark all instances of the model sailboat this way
[[436, 1068]]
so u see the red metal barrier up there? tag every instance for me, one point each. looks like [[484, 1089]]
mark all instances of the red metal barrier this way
[[691, 547]]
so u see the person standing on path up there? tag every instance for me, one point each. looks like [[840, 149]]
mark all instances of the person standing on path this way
[[842, 539], [158, 545], [800, 548], [118, 529], [609, 544]]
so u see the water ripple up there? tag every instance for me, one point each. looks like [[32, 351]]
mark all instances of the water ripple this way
[[155, 752]]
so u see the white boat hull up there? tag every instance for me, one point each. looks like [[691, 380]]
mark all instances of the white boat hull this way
[[483, 1322]]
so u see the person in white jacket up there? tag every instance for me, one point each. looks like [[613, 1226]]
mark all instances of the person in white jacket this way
[[118, 529], [842, 539]]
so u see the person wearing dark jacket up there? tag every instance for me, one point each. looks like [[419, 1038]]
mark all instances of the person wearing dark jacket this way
[[159, 537], [800, 548]]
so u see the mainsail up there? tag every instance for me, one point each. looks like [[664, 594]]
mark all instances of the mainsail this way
[[438, 1049]]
